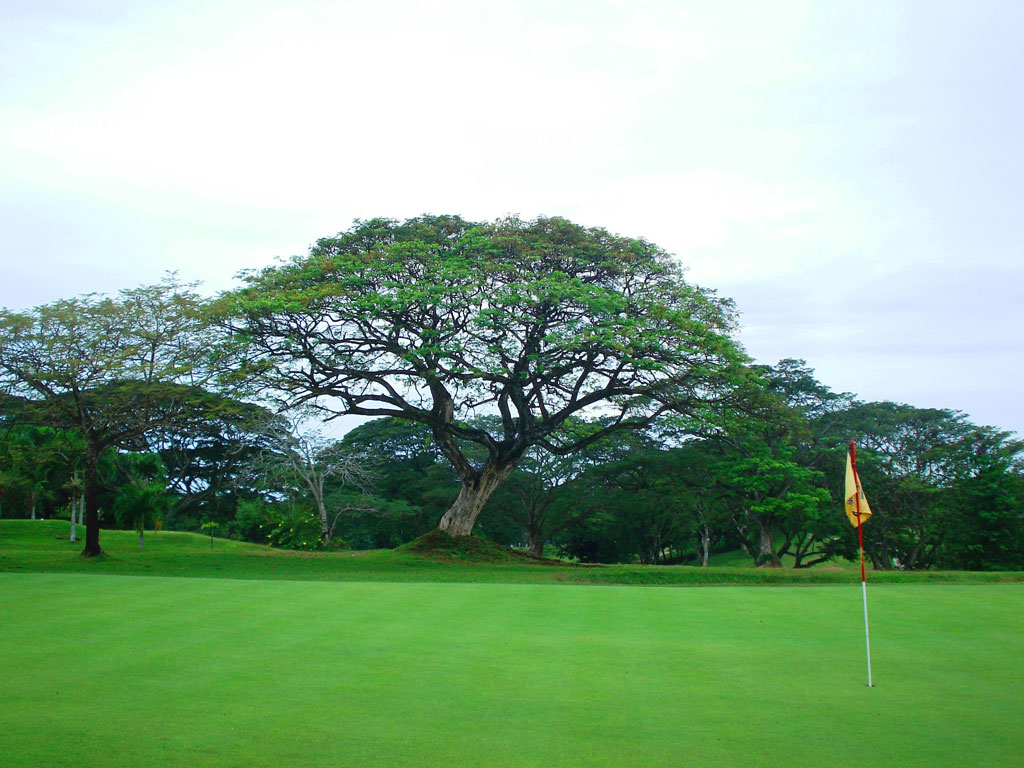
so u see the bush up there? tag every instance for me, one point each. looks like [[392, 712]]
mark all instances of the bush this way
[[300, 529], [253, 521]]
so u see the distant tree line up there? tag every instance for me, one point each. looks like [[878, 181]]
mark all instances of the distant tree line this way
[[545, 385]]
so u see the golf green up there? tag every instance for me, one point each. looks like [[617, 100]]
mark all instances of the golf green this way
[[156, 671]]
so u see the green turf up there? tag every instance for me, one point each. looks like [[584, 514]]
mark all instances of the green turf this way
[[130, 671], [33, 546]]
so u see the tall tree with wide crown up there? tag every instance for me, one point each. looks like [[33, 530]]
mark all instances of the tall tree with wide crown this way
[[437, 320]]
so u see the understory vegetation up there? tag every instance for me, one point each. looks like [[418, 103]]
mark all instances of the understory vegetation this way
[[946, 494]]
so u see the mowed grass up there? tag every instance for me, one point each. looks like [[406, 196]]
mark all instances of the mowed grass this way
[[381, 659], [158, 671]]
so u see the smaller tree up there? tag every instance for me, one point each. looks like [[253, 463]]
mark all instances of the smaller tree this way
[[143, 498], [706, 504], [307, 460], [141, 502], [771, 463], [414, 486], [212, 528], [986, 524], [74, 487], [777, 496], [29, 468], [919, 462], [111, 369], [207, 464], [638, 502], [530, 502], [530, 496]]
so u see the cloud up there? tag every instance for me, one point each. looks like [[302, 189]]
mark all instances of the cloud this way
[[850, 175]]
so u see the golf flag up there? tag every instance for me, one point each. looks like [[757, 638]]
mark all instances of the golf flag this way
[[858, 511], [853, 490]]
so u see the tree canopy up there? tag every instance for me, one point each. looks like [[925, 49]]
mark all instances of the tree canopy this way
[[437, 320], [111, 369]]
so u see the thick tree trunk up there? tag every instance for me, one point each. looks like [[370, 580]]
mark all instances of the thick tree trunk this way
[[913, 559], [92, 514], [766, 551], [535, 534], [536, 542], [463, 513]]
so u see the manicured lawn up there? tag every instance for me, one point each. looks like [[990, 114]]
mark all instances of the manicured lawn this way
[[157, 671], [264, 658]]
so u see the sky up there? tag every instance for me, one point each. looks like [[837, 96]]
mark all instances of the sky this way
[[851, 174]]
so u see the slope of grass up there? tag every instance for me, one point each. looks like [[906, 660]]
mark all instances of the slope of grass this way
[[34, 546], [127, 671]]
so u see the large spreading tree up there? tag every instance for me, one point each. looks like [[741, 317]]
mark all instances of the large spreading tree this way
[[438, 320]]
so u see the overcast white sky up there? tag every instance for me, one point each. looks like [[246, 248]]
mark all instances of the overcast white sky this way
[[850, 173]]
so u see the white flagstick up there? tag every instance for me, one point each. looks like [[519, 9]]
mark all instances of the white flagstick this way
[[860, 540], [867, 635]]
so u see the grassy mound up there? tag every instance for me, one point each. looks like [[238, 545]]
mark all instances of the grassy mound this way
[[439, 546]]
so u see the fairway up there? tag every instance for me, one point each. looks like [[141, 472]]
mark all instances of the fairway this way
[[156, 671]]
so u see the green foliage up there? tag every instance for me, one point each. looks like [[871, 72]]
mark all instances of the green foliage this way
[[986, 523], [369, 521], [294, 529], [434, 318], [140, 503], [770, 462], [36, 467], [942, 489], [252, 521], [414, 485], [207, 463], [114, 370], [298, 527]]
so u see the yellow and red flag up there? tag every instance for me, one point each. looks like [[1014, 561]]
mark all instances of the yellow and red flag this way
[[855, 500]]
